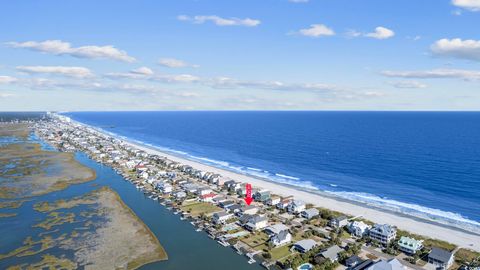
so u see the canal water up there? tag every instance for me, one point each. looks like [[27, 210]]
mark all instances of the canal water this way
[[186, 248]]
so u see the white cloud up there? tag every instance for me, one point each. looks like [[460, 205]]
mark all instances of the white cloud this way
[[175, 63], [408, 84], [7, 79], [6, 95], [381, 33], [317, 30], [77, 72], [181, 78], [188, 94], [472, 5], [148, 74], [142, 71], [200, 19], [353, 33], [59, 47], [457, 48], [373, 94], [468, 75], [230, 83]]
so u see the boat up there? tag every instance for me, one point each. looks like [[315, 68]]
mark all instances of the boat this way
[[225, 244], [251, 261]]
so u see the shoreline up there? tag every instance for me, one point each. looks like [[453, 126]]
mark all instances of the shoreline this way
[[429, 228]]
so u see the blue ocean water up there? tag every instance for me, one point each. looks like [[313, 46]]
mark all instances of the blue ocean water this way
[[421, 163]]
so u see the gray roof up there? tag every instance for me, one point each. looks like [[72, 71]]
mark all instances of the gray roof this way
[[312, 211], [221, 214], [363, 265], [331, 252], [383, 229], [392, 264], [440, 254], [306, 244], [256, 219], [277, 228], [353, 260], [340, 218], [248, 207], [281, 236]]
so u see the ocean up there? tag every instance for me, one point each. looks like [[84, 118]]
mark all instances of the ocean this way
[[425, 164]]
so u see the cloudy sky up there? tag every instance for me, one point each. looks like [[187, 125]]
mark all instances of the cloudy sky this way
[[240, 55]]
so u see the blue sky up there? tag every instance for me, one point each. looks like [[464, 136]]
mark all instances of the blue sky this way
[[240, 55]]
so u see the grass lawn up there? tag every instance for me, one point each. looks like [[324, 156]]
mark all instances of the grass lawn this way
[[198, 208], [256, 240], [280, 252], [345, 235], [465, 255]]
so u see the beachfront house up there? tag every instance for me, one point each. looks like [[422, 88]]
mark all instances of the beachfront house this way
[[280, 239], [221, 217], [261, 195], [409, 245], [296, 206], [304, 245], [230, 185], [310, 213], [256, 222], [358, 228], [283, 204], [241, 189], [440, 258], [338, 222], [382, 233], [219, 181], [273, 200], [331, 253]]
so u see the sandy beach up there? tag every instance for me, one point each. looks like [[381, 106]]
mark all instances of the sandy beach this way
[[411, 224]]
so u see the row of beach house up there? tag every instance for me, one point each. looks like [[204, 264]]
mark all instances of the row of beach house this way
[[167, 177]]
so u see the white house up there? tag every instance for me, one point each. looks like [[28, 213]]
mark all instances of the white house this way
[[249, 210], [275, 229], [338, 222], [207, 197], [204, 191], [256, 222], [441, 258], [296, 206], [273, 200], [304, 245], [283, 204], [221, 217], [383, 233], [282, 238], [409, 245], [310, 213], [358, 228]]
